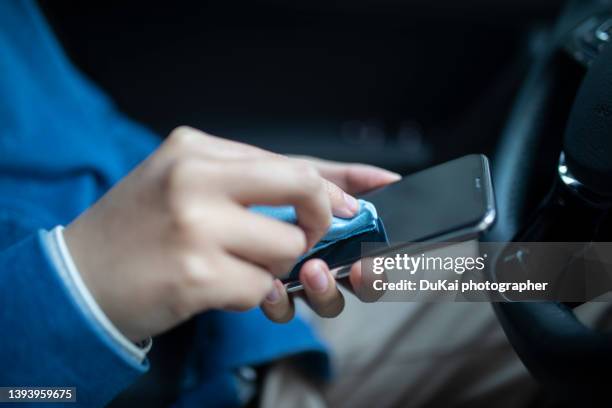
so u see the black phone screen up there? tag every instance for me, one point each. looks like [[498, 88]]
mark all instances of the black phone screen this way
[[450, 197], [449, 202]]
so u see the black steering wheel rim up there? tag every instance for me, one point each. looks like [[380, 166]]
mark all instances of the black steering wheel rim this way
[[568, 358]]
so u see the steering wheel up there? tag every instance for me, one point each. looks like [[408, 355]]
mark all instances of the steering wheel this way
[[563, 110]]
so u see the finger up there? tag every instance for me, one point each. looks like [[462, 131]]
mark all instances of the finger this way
[[362, 284], [209, 146], [262, 240], [353, 178], [360, 178], [278, 305], [343, 205], [185, 140], [243, 285], [320, 288], [280, 182]]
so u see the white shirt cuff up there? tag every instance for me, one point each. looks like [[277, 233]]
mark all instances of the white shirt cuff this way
[[72, 278]]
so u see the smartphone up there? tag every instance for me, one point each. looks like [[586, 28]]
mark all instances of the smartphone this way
[[450, 202]]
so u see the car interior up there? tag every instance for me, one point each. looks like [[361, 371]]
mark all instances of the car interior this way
[[402, 85]]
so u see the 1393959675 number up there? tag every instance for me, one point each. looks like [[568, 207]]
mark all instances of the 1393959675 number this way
[[40, 394]]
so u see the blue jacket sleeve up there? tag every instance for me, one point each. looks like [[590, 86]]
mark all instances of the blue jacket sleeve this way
[[45, 339]]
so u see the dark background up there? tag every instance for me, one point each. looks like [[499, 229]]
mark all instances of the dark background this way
[[401, 84]]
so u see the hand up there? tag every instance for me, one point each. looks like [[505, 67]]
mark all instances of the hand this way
[[320, 290], [174, 237]]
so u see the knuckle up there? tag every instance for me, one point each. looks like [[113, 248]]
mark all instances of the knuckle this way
[[193, 271], [180, 202], [178, 173], [308, 177], [182, 136], [189, 272], [295, 243], [334, 191], [183, 215]]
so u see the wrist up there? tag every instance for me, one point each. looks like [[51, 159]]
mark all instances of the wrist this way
[[85, 298]]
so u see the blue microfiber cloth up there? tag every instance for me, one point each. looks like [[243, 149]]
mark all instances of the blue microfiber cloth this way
[[366, 224], [341, 228]]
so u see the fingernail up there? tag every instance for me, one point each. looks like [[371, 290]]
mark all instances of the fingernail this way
[[317, 280], [395, 175], [351, 203], [274, 295]]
